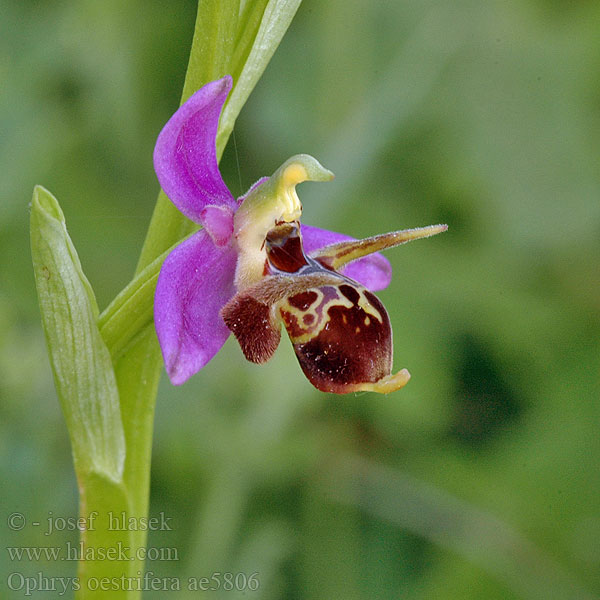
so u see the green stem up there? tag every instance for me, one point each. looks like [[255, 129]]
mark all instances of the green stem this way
[[116, 510]]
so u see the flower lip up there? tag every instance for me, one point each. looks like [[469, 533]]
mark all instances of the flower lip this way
[[340, 331]]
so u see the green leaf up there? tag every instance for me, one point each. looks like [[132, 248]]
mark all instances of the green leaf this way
[[132, 311], [213, 43], [275, 21], [83, 372]]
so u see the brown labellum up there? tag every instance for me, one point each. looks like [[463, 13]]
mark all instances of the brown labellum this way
[[340, 331], [341, 335]]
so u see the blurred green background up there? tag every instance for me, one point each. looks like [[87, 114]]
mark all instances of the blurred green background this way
[[481, 478]]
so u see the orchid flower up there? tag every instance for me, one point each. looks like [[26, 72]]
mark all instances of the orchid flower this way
[[252, 267]]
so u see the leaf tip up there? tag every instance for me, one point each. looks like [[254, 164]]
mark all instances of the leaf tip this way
[[45, 202]]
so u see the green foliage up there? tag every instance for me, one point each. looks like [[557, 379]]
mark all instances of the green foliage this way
[[83, 372], [484, 117]]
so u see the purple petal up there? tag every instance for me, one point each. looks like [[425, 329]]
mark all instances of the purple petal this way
[[195, 282], [185, 158], [218, 222], [373, 271]]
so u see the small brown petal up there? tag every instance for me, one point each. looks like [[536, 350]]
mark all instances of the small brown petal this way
[[253, 325]]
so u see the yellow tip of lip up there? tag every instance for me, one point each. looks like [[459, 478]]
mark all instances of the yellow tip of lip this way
[[387, 384]]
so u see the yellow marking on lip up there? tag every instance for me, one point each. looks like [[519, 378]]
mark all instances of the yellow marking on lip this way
[[299, 313], [316, 327], [367, 306]]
